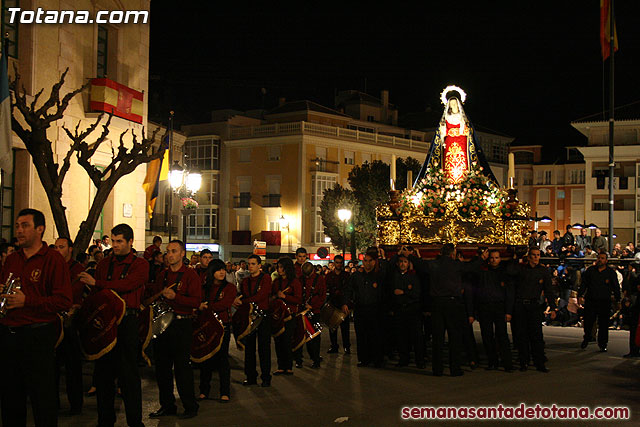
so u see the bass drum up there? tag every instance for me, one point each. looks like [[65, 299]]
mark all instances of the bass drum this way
[[245, 320], [280, 314], [208, 333], [299, 337], [98, 321], [312, 328], [162, 317], [331, 316]]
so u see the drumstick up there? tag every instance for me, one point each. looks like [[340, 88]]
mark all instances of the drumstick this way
[[156, 296]]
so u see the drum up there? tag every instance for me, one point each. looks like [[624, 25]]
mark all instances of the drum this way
[[162, 317], [208, 333], [299, 337], [331, 316], [145, 330], [60, 325], [279, 315], [245, 320], [312, 327], [98, 321]]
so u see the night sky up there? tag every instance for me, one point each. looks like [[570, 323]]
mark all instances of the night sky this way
[[528, 69]]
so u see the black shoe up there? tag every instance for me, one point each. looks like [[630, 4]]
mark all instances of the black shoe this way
[[163, 412], [249, 382], [332, 350], [630, 355], [266, 383], [347, 351], [542, 369], [603, 349], [299, 364], [188, 414], [584, 344], [316, 365]]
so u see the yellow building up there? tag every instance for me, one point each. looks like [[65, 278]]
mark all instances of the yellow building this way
[[41, 53]]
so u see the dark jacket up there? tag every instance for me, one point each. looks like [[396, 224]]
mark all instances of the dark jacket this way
[[528, 285], [599, 285], [493, 286], [410, 285]]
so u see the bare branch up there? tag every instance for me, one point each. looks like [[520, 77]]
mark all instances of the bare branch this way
[[54, 96]]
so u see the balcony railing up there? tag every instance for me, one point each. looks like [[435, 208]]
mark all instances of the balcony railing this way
[[306, 128], [160, 223], [271, 201], [242, 201], [323, 165]]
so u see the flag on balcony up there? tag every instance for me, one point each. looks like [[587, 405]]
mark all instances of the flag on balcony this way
[[6, 154], [157, 170], [116, 98], [605, 29]]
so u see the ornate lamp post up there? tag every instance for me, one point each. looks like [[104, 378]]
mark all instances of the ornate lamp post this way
[[344, 215], [185, 184]]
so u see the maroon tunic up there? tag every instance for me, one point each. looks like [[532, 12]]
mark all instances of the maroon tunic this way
[[188, 291], [293, 296], [131, 286], [224, 302], [315, 295], [45, 282], [77, 287], [251, 292]]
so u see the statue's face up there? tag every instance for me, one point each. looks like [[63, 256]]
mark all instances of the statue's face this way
[[454, 106]]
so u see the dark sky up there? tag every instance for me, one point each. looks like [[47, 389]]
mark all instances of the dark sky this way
[[528, 68]]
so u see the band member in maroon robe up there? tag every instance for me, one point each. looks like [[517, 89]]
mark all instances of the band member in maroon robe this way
[[301, 258], [182, 290], [288, 289], [218, 296], [27, 331], [314, 293], [337, 281]]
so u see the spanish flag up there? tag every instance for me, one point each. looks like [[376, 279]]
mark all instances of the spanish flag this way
[[157, 170], [117, 99], [605, 29]]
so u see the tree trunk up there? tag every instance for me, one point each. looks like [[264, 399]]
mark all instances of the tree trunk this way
[[88, 226]]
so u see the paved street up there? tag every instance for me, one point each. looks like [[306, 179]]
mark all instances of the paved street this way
[[370, 396]]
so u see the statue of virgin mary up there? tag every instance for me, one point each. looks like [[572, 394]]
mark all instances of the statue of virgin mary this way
[[454, 150]]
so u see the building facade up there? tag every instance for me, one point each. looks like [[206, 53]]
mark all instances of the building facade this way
[[41, 53]]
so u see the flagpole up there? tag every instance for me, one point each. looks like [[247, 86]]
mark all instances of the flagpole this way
[[170, 164], [611, 121]]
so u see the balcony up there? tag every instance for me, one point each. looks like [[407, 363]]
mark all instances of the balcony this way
[[271, 201], [323, 165], [272, 238], [242, 201], [306, 128], [241, 237], [160, 223]]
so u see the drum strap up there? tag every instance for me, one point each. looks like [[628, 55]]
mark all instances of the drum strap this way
[[125, 270], [166, 278], [255, 291], [313, 289]]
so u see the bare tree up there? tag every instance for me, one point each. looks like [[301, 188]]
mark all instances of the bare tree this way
[[123, 160]]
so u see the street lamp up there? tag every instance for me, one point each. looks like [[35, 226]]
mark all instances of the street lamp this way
[[536, 218], [284, 224], [344, 215], [185, 184]]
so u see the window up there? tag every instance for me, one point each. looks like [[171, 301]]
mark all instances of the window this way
[[273, 223], [9, 28], [366, 158], [543, 197], [600, 204], [209, 193], [527, 178], [539, 178], [319, 184], [274, 153], [577, 197], [203, 225], [370, 119], [244, 155], [202, 154], [321, 153], [499, 153], [523, 157], [102, 51], [349, 157], [560, 195], [244, 222], [547, 177], [7, 205]]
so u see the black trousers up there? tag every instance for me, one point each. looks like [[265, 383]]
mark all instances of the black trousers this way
[[344, 332], [633, 326], [120, 363], [27, 357], [368, 333], [493, 328], [447, 314], [597, 309], [262, 335], [313, 348], [69, 355], [171, 352], [408, 331], [283, 346], [219, 362], [528, 320]]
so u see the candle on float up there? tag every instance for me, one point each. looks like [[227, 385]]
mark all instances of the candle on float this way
[[392, 176], [512, 169]]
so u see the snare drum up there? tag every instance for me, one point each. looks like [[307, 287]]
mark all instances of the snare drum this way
[[162, 317]]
